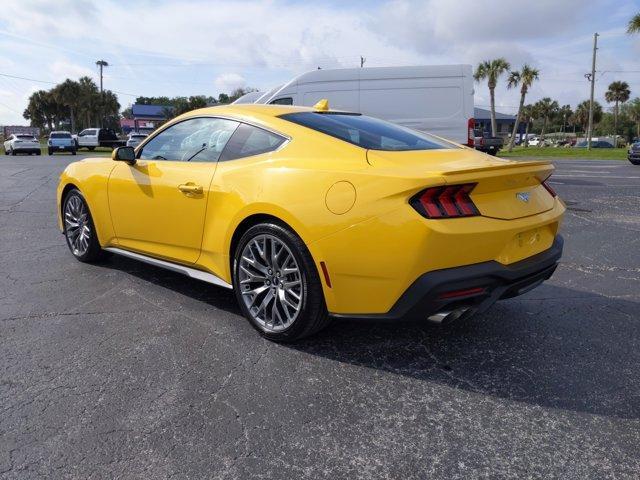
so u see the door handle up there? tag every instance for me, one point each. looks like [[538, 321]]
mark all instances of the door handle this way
[[190, 188]]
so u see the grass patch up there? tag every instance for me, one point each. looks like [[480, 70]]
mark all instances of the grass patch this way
[[561, 152]]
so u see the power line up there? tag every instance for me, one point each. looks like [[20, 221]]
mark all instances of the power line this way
[[56, 83], [25, 78]]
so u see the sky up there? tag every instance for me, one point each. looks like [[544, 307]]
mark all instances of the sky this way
[[197, 47]]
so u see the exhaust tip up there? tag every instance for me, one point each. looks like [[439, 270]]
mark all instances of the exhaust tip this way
[[447, 316]]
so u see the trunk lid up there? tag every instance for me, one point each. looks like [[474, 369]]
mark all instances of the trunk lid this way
[[506, 189]]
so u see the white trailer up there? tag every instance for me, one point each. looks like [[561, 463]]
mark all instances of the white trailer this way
[[433, 98]]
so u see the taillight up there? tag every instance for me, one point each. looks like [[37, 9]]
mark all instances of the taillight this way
[[445, 202], [471, 124], [549, 189]]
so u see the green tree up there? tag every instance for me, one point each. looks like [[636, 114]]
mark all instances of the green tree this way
[[526, 116], [632, 110], [581, 116], [618, 92], [523, 78], [40, 110], [491, 70], [634, 24], [68, 94], [565, 115], [546, 109], [89, 101]]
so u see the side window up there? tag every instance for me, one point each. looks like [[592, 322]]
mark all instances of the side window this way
[[248, 140], [195, 140], [282, 101]]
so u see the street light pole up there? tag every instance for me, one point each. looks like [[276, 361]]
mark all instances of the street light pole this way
[[101, 64], [593, 83]]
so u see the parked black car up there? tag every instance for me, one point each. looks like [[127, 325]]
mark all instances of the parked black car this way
[[484, 142], [594, 144], [633, 155]]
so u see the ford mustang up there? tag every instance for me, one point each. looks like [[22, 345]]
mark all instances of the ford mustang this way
[[311, 214]]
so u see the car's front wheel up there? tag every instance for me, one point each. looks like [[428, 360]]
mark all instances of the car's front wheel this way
[[277, 284], [79, 230]]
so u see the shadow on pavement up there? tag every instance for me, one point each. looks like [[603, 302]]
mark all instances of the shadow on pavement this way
[[570, 350]]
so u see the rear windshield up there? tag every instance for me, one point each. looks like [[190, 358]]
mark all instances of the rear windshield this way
[[60, 135], [367, 132], [25, 137]]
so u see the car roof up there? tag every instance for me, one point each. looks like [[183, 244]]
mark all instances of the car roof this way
[[248, 109], [259, 114]]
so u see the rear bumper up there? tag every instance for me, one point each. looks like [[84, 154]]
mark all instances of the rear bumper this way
[[430, 293], [488, 148], [30, 149], [62, 148]]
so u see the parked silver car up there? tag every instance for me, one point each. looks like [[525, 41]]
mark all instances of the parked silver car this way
[[135, 139]]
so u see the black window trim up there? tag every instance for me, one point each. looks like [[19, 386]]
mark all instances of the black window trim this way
[[289, 97], [287, 138]]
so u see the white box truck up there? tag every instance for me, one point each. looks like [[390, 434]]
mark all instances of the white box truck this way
[[433, 98]]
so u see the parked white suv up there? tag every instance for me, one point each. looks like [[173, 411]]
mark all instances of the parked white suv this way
[[21, 143]]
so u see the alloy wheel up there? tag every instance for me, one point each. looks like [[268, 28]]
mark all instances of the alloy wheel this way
[[77, 225], [270, 281]]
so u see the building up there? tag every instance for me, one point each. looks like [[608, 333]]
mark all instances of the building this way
[[144, 118], [504, 122]]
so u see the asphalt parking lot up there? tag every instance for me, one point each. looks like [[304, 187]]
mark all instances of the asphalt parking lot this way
[[122, 370]]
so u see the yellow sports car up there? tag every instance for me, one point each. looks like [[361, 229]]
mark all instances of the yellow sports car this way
[[310, 214]]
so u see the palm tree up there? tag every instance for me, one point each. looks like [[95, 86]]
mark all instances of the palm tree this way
[[68, 94], [634, 24], [524, 78], [526, 115], [632, 109], [491, 71], [581, 115], [617, 92], [89, 100], [546, 108]]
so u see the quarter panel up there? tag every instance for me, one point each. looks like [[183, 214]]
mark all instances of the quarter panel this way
[[91, 176]]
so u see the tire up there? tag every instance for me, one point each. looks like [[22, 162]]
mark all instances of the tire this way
[[49, 152], [73, 152], [87, 251], [13, 152], [290, 319]]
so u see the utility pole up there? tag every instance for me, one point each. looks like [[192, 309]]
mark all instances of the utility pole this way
[[362, 60], [101, 64], [593, 84]]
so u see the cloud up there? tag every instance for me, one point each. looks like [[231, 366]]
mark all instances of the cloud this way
[[63, 69], [228, 82], [177, 47]]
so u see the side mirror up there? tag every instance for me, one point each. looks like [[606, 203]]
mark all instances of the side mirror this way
[[124, 154]]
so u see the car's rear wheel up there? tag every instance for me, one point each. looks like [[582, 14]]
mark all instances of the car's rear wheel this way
[[277, 284], [79, 229]]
